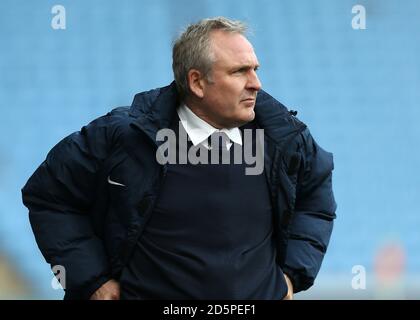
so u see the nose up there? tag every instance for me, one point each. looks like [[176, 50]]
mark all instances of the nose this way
[[253, 81]]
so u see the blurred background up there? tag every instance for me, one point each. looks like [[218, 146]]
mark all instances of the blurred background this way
[[357, 89]]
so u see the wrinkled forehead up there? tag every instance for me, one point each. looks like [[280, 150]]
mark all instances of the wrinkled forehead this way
[[231, 48]]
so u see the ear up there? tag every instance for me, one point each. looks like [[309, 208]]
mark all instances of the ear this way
[[196, 83]]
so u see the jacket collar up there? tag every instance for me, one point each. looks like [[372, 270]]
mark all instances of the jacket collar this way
[[156, 109], [278, 124]]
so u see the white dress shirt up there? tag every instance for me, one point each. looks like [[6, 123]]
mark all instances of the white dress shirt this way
[[199, 130]]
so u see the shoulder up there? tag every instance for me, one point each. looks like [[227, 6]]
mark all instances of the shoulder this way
[[110, 126], [95, 139]]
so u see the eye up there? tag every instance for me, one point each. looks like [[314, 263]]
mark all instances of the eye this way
[[241, 70]]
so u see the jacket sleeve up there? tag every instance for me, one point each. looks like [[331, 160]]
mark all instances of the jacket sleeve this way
[[312, 222], [59, 196]]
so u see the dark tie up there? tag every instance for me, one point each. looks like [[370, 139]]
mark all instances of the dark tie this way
[[219, 140]]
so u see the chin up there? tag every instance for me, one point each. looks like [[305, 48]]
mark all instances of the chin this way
[[246, 118], [251, 115]]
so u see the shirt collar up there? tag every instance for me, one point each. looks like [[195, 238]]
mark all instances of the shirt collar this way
[[199, 130]]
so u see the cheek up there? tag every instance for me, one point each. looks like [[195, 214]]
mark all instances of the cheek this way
[[226, 98]]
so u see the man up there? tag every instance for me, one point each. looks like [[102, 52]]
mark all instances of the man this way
[[125, 226]]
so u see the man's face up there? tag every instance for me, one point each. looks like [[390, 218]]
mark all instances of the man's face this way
[[229, 97]]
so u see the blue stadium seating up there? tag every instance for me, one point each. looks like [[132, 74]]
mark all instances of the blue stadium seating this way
[[358, 90]]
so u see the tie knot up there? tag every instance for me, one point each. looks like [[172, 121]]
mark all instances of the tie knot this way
[[219, 140]]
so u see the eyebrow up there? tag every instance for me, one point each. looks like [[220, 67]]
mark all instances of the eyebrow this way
[[244, 66]]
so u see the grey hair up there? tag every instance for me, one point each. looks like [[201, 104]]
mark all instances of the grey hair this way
[[192, 49]]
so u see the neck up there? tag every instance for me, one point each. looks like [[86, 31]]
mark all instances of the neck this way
[[200, 111]]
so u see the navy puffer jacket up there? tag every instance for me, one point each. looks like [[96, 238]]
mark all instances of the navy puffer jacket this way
[[88, 226]]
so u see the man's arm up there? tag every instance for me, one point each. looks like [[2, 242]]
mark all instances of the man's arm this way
[[312, 223], [59, 196]]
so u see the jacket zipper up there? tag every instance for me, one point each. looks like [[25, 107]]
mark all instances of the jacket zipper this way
[[139, 232]]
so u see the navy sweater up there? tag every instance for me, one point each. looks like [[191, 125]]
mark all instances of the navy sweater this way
[[210, 237]]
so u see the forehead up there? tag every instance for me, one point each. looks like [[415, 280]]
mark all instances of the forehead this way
[[231, 49]]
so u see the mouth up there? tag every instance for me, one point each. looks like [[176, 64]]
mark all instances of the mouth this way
[[248, 103], [249, 100]]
